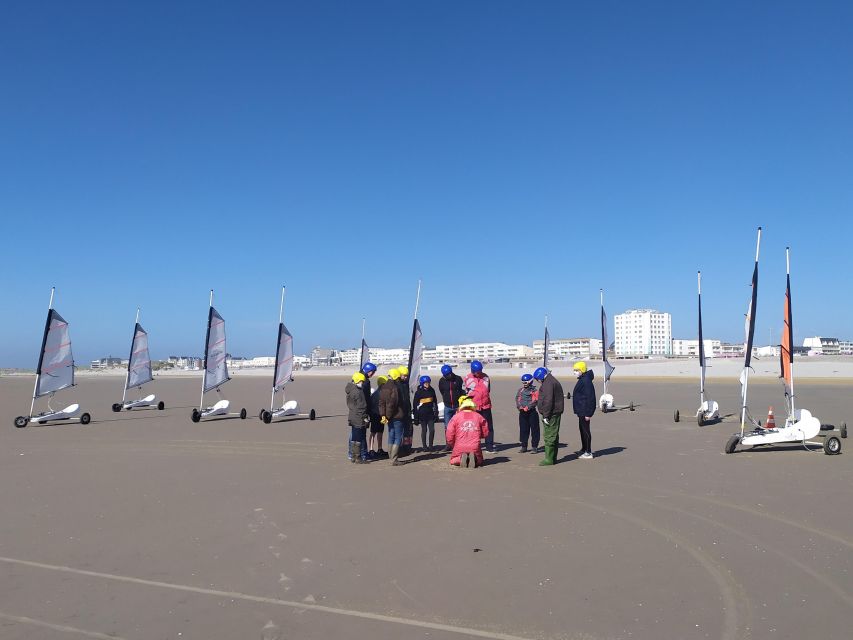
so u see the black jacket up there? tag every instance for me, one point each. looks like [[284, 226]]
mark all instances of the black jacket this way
[[426, 404], [451, 388], [583, 397], [357, 406], [405, 398], [550, 397], [365, 386]]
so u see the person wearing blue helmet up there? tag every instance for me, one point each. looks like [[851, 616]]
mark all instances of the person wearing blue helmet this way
[[425, 406], [528, 417], [478, 388], [451, 388], [550, 405]]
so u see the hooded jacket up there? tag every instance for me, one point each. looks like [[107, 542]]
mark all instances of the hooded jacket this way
[[404, 397], [583, 397], [389, 402], [451, 388], [425, 403], [478, 389], [464, 432], [357, 406], [550, 397]]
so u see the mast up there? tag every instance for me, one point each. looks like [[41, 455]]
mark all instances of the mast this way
[[790, 320], [701, 346], [603, 341], [206, 341], [130, 358], [547, 341], [41, 353], [277, 344], [361, 355], [750, 332]]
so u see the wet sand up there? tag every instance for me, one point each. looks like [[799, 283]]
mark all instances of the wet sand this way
[[144, 525]]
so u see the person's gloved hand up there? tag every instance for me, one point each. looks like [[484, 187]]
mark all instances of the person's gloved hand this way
[[383, 420]]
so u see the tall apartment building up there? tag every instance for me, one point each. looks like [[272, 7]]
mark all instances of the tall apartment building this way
[[643, 332]]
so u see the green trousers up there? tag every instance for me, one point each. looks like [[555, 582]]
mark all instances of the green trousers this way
[[551, 437]]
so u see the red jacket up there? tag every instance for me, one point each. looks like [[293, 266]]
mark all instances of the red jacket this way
[[477, 389], [464, 433]]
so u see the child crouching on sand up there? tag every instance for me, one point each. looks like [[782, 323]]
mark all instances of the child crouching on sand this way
[[464, 433]]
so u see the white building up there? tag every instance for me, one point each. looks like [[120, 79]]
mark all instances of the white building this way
[[845, 347], [107, 363], [731, 350], [377, 355], [488, 351], [823, 346], [643, 332], [690, 348], [568, 348]]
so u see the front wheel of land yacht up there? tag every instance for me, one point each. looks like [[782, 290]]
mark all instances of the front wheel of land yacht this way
[[631, 406], [243, 414], [161, 405], [732, 443], [195, 416], [832, 446], [312, 415], [21, 422], [843, 429], [85, 418], [701, 419], [116, 407], [676, 416]]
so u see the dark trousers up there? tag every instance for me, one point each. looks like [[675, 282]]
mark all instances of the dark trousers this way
[[359, 434], [586, 436], [490, 439], [528, 427]]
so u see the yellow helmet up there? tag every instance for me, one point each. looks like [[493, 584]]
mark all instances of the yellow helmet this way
[[466, 403], [404, 371], [394, 374], [358, 377], [381, 380], [580, 366]]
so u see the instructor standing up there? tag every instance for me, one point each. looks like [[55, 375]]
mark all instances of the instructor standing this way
[[550, 406]]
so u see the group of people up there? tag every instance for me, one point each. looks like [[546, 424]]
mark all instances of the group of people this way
[[467, 413]]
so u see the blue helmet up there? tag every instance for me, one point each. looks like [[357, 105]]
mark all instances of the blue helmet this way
[[527, 378], [424, 379], [540, 373], [368, 367], [476, 366], [446, 370]]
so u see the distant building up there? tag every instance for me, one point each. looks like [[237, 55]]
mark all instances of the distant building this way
[[107, 363], [488, 351], [845, 347], [377, 355], [643, 332], [568, 348], [322, 357], [823, 346], [690, 348]]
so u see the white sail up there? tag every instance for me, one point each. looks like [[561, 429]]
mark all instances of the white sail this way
[[56, 363], [216, 369], [139, 363], [415, 354], [283, 358]]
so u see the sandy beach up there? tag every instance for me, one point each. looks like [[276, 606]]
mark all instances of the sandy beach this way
[[145, 525]]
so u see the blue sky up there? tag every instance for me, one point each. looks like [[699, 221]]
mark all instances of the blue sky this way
[[516, 156]]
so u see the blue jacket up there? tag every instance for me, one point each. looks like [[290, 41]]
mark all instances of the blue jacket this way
[[583, 397]]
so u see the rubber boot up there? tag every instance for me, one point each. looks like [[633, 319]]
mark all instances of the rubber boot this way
[[550, 456], [356, 453], [395, 455]]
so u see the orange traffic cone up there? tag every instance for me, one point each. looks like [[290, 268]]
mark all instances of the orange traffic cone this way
[[771, 420]]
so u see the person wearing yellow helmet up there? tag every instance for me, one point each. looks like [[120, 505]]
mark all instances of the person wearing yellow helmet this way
[[391, 413], [467, 427], [584, 404], [357, 418], [377, 429], [405, 395]]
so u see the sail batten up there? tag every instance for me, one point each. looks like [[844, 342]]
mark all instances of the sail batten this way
[[216, 367], [56, 362], [139, 363]]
